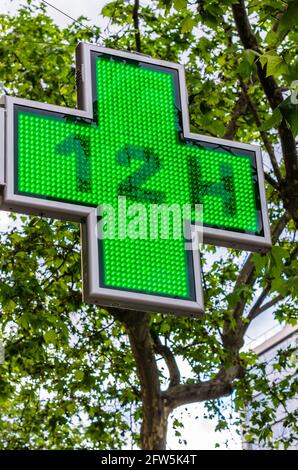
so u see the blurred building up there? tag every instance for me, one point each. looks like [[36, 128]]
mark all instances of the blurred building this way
[[267, 351]]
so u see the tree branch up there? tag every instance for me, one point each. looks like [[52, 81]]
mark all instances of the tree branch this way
[[220, 385], [249, 266], [275, 98], [256, 308], [271, 181], [155, 413], [249, 41], [267, 143], [282, 222], [255, 114], [135, 16], [137, 326], [170, 360], [266, 306], [238, 111], [232, 335]]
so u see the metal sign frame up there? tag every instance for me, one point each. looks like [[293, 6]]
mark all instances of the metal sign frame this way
[[92, 292]]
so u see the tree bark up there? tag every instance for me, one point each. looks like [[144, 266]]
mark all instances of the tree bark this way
[[289, 188], [238, 112], [135, 16], [154, 410], [154, 426]]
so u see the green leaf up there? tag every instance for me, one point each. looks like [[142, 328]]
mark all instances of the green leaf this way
[[274, 120], [180, 4], [244, 68], [293, 287], [273, 62], [109, 9], [289, 111], [187, 24], [165, 328], [10, 306], [271, 37], [250, 55], [79, 375], [211, 14], [71, 406], [289, 19], [259, 262], [50, 337]]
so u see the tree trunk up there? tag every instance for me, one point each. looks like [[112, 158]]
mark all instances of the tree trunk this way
[[154, 410], [154, 425]]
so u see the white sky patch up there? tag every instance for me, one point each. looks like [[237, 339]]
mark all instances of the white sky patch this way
[[4, 221], [200, 433], [89, 8]]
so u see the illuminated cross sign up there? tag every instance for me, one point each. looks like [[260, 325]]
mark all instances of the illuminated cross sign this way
[[129, 147]]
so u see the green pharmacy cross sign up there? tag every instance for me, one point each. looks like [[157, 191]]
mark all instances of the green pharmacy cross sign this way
[[128, 147]]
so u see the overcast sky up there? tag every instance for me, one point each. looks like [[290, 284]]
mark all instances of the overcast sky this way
[[74, 8]]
